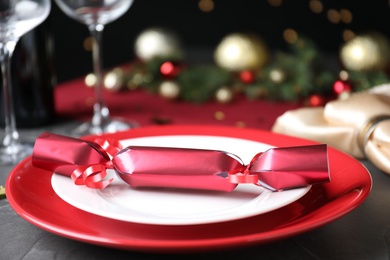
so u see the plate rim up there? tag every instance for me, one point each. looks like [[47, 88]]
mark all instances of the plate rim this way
[[295, 227]]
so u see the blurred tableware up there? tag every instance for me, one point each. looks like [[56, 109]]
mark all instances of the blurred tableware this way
[[34, 78], [96, 14], [17, 17]]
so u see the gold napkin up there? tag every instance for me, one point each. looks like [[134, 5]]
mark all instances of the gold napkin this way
[[358, 125]]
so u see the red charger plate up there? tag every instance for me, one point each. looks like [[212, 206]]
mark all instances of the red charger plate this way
[[30, 194]]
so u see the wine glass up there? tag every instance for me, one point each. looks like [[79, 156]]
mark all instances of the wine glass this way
[[17, 17], [96, 14]]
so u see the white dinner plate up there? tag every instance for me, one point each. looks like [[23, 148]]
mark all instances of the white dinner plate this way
[[178, 207]]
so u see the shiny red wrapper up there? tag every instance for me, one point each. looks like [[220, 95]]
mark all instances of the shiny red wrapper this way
[[86, 163]]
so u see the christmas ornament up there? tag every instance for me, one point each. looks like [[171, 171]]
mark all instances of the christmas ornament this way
[[247, 76], [341, 86], [157, 42], [344, 75], [238, 52], [169, 89], [113, 80], [224, 95], [90, 80], [366, 52], [277, 75], [316, 100], [169, 69]]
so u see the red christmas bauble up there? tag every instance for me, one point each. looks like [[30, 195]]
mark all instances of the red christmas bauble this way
[[341, 86], [169, 69], [247, 76], [316, 100]]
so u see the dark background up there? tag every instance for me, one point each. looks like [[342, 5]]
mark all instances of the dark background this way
[[204, 30]]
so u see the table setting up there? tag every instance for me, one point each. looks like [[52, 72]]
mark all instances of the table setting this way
[[162, 158]]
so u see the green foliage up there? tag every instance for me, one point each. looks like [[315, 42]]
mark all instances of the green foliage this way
[[199, 83], [303, 70]]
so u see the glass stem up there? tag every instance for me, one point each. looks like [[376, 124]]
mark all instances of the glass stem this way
[[11, 139], [101, 113]]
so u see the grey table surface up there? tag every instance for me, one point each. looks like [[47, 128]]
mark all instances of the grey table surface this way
[[363, 233]]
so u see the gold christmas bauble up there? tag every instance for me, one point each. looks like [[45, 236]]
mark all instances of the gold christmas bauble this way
[[366, 52], [277, 75], [224, 95], [240, 51], [90, 80], [113, 80], [157, 42], [169, 89]]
